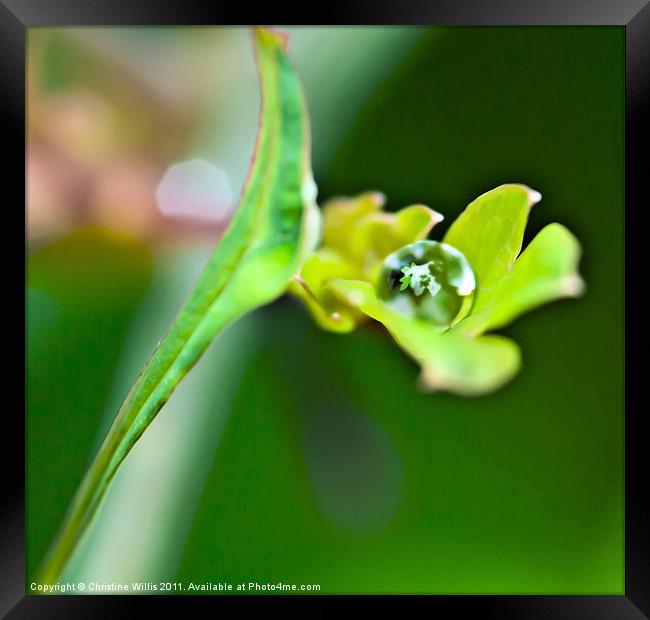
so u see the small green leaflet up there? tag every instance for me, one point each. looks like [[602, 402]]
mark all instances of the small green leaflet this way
[[406, 278]]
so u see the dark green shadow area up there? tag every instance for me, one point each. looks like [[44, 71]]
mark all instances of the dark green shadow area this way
[[519, 491], [83, 290]]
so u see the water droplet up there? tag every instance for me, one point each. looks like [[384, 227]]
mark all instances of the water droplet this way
[[430, 280]]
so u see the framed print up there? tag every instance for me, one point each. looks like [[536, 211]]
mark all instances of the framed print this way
[[328, 311]]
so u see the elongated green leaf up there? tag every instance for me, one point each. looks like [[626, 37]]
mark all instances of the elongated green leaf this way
[[274, 228], [449, 359]]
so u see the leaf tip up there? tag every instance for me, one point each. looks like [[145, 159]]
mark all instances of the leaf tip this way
[[266, 35], [433, 216], [573, 285], [429, 382], [533, 196], [378, 199]]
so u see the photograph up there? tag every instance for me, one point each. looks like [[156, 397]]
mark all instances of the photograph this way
[[355, 235], [328, 310]]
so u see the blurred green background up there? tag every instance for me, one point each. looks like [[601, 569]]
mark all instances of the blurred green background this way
[[290, 454]]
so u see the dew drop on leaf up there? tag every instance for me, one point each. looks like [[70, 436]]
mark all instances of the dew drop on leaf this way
[[429, 280]]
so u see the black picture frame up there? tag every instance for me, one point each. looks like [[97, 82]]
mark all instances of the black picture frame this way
[[633, 15]]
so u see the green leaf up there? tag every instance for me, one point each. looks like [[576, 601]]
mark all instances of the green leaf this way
[[375, 235], [311, 287], [546, 270], [490, 232], [341, 215], [275, 227], [449, 360]]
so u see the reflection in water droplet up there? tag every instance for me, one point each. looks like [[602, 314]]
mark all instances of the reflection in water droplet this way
[[430, 280], [354, 468]]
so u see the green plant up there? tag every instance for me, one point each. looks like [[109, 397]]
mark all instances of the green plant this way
[[445, 298], [342, 282]]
